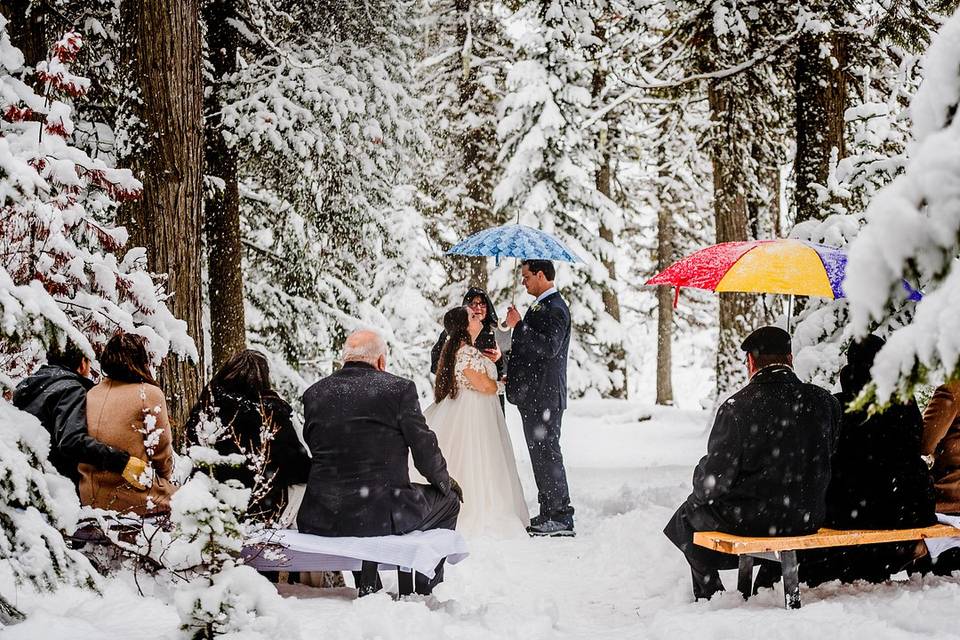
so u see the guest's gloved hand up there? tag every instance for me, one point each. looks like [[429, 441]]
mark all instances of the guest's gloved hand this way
[[132, 472], [455, 487]]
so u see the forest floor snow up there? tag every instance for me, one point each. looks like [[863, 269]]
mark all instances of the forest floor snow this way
[[629, 467]]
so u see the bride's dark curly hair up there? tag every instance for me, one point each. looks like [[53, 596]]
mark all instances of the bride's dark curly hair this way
[[455, 322]]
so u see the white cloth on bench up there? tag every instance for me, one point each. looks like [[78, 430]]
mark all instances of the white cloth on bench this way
[[936, 546], [420, 551]]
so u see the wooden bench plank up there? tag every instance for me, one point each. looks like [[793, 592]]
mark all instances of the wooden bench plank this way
[[737, 545]]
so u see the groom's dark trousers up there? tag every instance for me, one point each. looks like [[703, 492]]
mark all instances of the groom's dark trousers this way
[[537, 384], [541, 427]]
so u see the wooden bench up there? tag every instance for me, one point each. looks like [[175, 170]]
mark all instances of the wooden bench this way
[[784, 550]]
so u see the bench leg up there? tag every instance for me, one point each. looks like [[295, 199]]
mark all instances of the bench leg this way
[[791, 579], [369, 579], [745, 577], [405, 582]]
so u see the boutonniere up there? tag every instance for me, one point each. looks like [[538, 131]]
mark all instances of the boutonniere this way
[[536, 308]]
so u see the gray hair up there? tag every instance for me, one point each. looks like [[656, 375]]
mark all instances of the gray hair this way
[[364, 346]]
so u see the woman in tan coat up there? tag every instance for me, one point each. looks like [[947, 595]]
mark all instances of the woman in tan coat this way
[[127, 410], [941, 441]]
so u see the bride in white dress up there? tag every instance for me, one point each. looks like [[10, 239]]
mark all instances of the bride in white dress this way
[[472, 433]]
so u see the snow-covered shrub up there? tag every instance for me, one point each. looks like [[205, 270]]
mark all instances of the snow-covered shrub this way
[[236, 600], [36, 505], [61, 273], [913, 233]]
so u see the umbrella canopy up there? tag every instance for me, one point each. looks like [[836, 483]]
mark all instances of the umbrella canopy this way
[[514, 241], [794, 267]]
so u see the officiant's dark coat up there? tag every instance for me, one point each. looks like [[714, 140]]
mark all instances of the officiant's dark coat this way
[[361, 426]]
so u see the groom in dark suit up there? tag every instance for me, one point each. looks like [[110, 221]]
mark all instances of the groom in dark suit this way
[[537, 384]]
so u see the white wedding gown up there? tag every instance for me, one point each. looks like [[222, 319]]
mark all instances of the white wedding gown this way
[[473, 437]]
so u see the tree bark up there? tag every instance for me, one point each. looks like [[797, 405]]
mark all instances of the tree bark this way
[[665, 256], [222, 224], [730, 211], [475, 206], [617, 361], [166, 58], [27, 29], [821, 99]]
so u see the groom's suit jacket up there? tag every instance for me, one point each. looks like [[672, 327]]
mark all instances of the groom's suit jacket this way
[[537, 370], [361, 424]]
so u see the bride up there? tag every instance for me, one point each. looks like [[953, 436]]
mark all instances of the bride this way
[[472, 433]]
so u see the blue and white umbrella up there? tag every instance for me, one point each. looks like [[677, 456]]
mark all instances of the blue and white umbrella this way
[[514, 241]]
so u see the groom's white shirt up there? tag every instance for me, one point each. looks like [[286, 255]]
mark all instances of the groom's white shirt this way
[[548, 292]]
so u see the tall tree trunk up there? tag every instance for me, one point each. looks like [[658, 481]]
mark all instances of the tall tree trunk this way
[[222, 224], [821, 99], [166, 59], [665, 256], [730, 211], [27, 29], [475, 206], [617, 361]]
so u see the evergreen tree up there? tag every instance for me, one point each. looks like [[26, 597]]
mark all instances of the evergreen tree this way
[[550, 166]]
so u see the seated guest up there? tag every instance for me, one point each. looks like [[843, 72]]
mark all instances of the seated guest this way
[[362, 424], [767, 465], [127, 410], [941, 445], [56, 394], [879, 480], [243, 399]]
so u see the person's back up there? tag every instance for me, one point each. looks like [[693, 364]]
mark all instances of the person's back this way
[[361, 424], [127, 410], [767, 466], [54, 393], [777, 485], [242, 397]]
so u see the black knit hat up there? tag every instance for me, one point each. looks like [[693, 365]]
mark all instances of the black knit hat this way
[[768, 341]]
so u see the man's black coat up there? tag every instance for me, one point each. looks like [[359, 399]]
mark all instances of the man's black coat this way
[[537, 370], [768, 459], [58, 399], [361, 426]]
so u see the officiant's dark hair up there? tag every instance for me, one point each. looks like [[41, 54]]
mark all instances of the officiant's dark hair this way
[[455, 322], [546, 266]]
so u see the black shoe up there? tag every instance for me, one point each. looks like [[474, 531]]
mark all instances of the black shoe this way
[[536, 521], [551, 528]]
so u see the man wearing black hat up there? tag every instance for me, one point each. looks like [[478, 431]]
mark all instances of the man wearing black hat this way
[[767, 466]]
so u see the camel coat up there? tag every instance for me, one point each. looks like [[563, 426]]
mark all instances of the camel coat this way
[[115, 413], [941, 439]]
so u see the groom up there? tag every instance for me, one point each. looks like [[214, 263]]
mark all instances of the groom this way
[[537, 384]]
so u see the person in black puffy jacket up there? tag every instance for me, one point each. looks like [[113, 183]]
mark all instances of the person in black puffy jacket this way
[[243, 398], [56, 394]]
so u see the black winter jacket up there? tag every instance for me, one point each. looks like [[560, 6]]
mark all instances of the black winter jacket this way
[[768, 459], [287, 461], [362, 426], [58, 399]]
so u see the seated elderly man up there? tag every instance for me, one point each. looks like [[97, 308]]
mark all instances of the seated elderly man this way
[[767, 465], [361, 424]]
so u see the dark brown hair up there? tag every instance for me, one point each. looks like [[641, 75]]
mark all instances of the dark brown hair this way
[[125, 359], [246, 374], [68, 356], [761, 360], [544, 266], [455, 322]]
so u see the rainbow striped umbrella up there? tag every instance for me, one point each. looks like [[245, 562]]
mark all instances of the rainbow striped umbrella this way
[[793, 267]]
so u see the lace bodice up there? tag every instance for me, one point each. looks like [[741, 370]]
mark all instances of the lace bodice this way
[[470, 357]]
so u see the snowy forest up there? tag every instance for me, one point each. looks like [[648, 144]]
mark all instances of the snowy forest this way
[[275, 174]]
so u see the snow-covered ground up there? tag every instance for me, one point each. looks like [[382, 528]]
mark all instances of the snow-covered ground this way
[[619, 578]]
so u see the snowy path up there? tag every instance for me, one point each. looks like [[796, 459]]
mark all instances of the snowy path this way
[[619, 578]]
